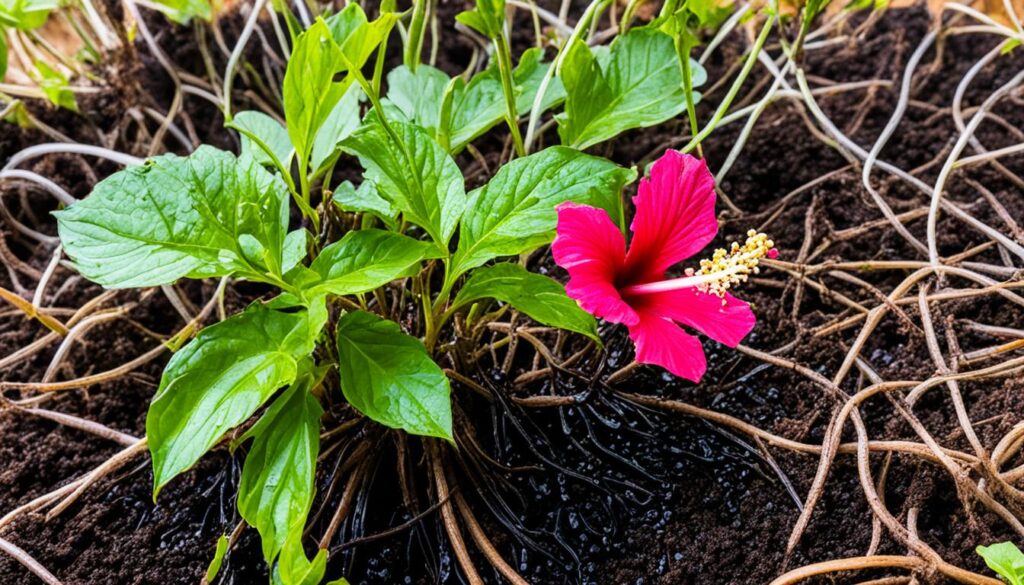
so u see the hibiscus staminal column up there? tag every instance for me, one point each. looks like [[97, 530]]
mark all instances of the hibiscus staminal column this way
[[725, 269]]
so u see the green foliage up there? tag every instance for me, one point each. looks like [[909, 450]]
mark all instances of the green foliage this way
[[414, 174], [515, 211], [183, 11], [277, 484], [218, 559], [26, 14], [220, 378], [487, 18], [209, 214], [367, 259], [474, 108], [540, 297], [1006, 560], [635, 83], [390, 377], [55, 86], [264, 139]]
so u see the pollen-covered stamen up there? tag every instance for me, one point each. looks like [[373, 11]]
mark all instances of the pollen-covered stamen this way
[[725, 268]]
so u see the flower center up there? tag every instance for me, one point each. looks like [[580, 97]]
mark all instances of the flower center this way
[[725, 269]]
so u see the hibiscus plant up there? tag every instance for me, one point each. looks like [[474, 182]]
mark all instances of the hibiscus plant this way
[[376, 284]]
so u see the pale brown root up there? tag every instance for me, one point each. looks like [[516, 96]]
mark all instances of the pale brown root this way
[[850, 564], [484, 544], [451, 525], [28, 562], [95, 475]]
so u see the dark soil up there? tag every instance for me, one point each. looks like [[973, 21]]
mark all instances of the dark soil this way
[[604, 492]]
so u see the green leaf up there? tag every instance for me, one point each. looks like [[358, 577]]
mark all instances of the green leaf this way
[[278, 478], [388, 376], [340, 123], [515, 211], [357, 37], [183, 11], [293, 568], [3, 54], [220, 378], [415, 96], [310, 92], [269, 131], [366, 259], [540, 297], [26, 14], [417, 176], [55, 86], [218, 559], [209, 214], [365, 199], [487, 18], [1006, 560], [636, 84], [476, 107]]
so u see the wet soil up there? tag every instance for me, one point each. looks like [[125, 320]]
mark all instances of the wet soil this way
[[602, 492]]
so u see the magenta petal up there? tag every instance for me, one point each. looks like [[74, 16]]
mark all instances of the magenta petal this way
[[675, 215], [663, 343], [728, 323], [592, 249]]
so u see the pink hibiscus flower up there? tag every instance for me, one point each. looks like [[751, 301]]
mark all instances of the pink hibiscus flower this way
[[675, 219]]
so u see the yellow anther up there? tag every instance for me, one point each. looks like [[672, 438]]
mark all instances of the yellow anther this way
[[733, 267]]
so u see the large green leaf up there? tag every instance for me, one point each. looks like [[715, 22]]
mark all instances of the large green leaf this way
[[1005, 559], [252, 126], [220, 378], [310, 91], [210, 214], [276, 490], [366, 259], [635, 84], [388, 376], [515, 211], [416, 175], [540, 297]]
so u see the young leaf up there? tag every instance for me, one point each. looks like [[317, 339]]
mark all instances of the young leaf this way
[[218, 559], [310, 91], [388, 376], [515, 211], [219, 379], [415, 96], [3, 54], [364, 200], [475, 107], [293, 568], [268, 131], [487, 18], [635, 85], [1006, 560], [356, 36], [209, 214], [417, 176], [277, 484], [340, 123], [26, 14], [183, 11], [366, 259], [540, 297], [55, 86]]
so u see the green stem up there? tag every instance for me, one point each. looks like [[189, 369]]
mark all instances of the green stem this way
[[595, 8], [736, 85], [683, 52], [414, 41], [508, 88]]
